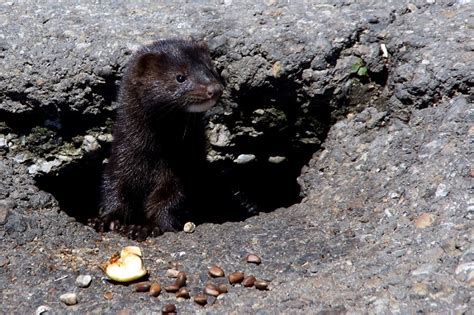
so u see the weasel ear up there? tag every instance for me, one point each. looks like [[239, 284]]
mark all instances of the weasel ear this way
[[148, 62], [201, 44]]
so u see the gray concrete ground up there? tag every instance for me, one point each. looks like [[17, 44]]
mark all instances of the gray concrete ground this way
[[386, 220]]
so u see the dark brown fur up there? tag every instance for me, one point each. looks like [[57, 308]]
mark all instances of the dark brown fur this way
[[159, 151]]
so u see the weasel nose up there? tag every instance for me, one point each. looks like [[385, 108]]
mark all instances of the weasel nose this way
[[214, 90]]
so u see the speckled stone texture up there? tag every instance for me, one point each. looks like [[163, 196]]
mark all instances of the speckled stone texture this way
[[386, 220]]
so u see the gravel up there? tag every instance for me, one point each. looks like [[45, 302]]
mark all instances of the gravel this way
[[68, 298], [83, 281], [386, 220]]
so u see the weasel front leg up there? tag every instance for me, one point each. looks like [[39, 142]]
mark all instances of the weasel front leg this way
[[164, 205]]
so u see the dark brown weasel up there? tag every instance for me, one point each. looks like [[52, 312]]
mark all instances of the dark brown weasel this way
[[159, 150]]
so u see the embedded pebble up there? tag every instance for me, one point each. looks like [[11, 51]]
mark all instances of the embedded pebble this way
[[200, 299], [3, 142], [3, 213], [219, 135], [68, 298], [83, 281], [423, 270], [236, 277], [90, 143], [276, 159], [253, 259], [42, 309], [189, 227], [420, 289], [155, 289], [424, 220], [465, 272], [244, 158], [216, 271], [441, 191]]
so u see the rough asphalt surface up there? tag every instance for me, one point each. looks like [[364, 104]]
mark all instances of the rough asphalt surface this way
[[386, 224]]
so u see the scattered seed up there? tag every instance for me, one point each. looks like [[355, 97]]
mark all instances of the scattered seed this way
[[108, 295], [222, 288], [211, 289], [200, 299], [172, 288], [181, 279], [236, 277], [253, 259], [182, 293], [83, 281], [249, 281], [142, 286], [261, 284], [216, 271], [189, 227], [172, 273], [168, 308], [155, 289], [69, 298]]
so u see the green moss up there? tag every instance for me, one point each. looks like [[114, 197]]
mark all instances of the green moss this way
[[360, 68]]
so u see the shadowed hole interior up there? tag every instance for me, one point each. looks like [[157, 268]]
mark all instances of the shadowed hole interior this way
[[265, 184]]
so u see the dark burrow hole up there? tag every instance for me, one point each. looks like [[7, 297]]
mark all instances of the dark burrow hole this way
[[262, 183]]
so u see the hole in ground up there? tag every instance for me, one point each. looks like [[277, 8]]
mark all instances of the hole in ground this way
[[286, 127], [265, 185]]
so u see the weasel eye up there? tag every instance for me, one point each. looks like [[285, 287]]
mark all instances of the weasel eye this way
[[180, 78]]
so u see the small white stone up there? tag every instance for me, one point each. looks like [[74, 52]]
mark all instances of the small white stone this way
[[465, 268], [189, 227], [47, 166], [276, 159], [69, 298], [441, 191], [219, 135], [21, 157], [423, 270], [90, 143], [83, 281], [33, 169], [384, 50], [3, 142], [394, 195], [105, 137], [42, 309], [244, 158]]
